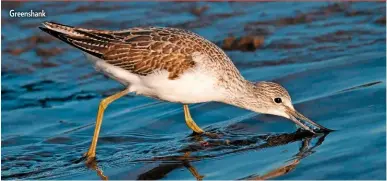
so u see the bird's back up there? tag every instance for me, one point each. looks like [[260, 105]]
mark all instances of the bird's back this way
[[143, 51]]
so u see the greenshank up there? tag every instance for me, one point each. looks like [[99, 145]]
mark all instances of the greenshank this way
[[174, 65]]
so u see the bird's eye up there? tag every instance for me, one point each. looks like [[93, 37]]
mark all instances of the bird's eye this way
[[278, 100]]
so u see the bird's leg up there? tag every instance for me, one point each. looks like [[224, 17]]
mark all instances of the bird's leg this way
[[195, 128], [190, 122], [102, 106]]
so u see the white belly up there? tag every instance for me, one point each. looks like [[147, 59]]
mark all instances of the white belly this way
[[193, 86]]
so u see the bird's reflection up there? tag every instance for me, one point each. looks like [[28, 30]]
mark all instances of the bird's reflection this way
[[175, 162], [92, 164], [163, 169], [305, 150], [171, 163]]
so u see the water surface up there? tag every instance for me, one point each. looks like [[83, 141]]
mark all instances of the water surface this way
[[331, 57]]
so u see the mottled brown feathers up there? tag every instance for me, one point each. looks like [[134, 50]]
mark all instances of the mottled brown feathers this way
[[138, 50], [147, 51]]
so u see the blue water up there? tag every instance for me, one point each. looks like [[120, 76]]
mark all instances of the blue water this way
[[331, 57]]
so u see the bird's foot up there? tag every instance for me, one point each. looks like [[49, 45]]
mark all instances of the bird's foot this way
[[89, 157]]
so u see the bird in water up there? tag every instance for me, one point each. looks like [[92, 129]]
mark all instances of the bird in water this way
[[174, 65]]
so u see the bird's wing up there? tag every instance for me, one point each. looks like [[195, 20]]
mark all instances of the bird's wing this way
[[138, 50]]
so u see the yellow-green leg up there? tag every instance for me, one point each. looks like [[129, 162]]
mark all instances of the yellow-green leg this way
[[90, 155], [190, 122], [195, 128]]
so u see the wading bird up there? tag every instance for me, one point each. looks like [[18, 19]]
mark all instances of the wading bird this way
[[174, 65]]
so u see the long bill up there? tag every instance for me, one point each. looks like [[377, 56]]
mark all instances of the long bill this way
[[297, 118]]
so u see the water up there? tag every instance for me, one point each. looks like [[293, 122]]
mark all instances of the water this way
[[331, 58]]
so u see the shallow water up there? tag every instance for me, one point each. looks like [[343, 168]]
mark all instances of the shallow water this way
[[331, 58]]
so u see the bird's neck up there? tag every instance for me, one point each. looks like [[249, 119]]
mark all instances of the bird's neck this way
[[247, 96]]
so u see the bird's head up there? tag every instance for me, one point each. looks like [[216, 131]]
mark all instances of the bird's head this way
[[275, 99]]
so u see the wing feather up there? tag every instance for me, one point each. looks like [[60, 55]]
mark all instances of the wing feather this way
[[138, 50]]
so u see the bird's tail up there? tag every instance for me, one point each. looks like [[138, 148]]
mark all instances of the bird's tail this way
[[51, 27], [90, 41]]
